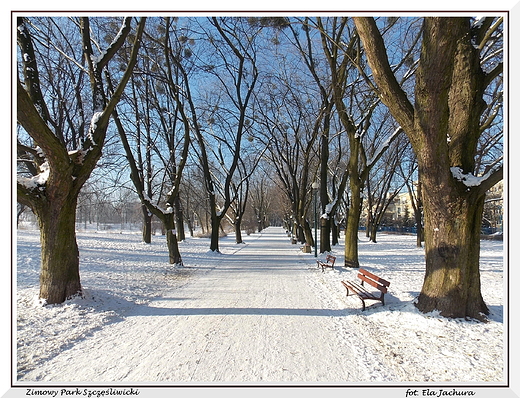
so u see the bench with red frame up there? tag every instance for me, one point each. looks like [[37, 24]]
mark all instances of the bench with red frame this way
[[330, 260], [362, 292]]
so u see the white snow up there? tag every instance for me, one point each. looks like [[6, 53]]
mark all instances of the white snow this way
[[328, 209], [469, 179], [37, 180], [260, 313], [93, 126]]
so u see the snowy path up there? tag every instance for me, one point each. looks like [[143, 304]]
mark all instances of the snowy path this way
[[250, 317]]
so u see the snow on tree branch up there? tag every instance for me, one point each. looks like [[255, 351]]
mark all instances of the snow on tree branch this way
[[382, 148], [470, 180], [37, 180]]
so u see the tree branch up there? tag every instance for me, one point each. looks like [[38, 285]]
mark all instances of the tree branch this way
[[390, 90], [27, 115]]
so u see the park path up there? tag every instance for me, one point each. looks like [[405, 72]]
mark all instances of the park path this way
[[253, 317]]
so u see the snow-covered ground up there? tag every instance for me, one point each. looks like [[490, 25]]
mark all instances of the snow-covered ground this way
[[260, 313]]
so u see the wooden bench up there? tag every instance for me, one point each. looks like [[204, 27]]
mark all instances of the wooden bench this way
[[330, 260], [361, 290]]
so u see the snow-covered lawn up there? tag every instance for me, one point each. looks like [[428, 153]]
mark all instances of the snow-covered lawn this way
[[257, 313]]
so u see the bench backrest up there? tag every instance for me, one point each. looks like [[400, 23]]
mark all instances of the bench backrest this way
[[373, 280], [331, 259]]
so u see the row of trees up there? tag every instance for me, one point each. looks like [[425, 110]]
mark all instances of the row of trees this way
[[246, 107]]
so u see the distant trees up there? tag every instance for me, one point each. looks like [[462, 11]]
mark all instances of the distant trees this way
[[290, 123], [261, 198], [356, 107], [407, 168]]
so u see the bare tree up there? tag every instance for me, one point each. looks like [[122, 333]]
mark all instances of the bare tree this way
[[55, 168], [164, 112], [444, 127], [227, 114], [355, 106], [383, 186], [290, 123], [408, 168]]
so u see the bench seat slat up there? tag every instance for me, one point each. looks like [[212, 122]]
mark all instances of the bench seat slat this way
[[360, 290]]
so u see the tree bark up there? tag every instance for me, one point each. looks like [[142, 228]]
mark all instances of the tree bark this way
[[238, 231], [325, 230], [452, 244], [174, 255], [373, 232], [352, 227], [179, 219], [334, 233], [59, 275], [147, 225], [307, 233], [324, 172], [215, 231], [417, 209]]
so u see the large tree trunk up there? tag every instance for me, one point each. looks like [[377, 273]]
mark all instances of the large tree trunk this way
[[59, 276], [179, 219], [452, 211], [373, 232], [238, 230], [452, 244], [307, 233], [324, 173], [55, 197], [417, 209], [300, 234], [334, 233]]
